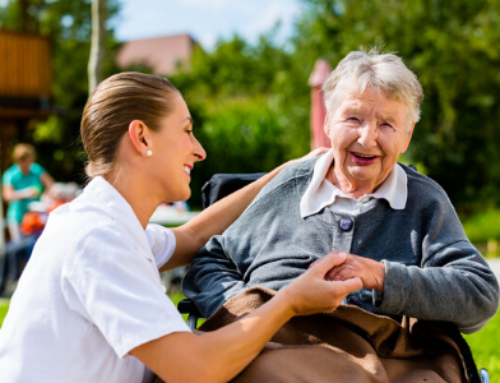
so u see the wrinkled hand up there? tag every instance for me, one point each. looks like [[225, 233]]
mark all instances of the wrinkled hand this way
[[312, 293], [371, 273]]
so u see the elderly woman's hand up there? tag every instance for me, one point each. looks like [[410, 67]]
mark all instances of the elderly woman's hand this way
[[371, 273]]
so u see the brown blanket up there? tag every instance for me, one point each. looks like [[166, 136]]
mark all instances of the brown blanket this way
[[350, 345]]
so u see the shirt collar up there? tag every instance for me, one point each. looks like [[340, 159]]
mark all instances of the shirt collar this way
[[102, 192], [321, 193]]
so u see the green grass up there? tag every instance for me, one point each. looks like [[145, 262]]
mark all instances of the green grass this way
[[4, 306], [483, 227], [484, 344]]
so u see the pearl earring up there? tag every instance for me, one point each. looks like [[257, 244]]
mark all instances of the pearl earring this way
[[149, 153]]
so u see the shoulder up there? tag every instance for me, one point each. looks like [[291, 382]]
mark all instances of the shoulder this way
[[422, 187], [291, 179], [37, 169], [9, 173]]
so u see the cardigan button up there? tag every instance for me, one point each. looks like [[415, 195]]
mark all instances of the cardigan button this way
[[345, 224]]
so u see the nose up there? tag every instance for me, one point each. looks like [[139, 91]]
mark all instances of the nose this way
[[367, 135], [198, 151]]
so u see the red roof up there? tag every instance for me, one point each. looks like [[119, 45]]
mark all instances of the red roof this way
[[162, 54]]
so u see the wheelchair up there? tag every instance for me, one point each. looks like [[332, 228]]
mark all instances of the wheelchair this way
[[218, 187]]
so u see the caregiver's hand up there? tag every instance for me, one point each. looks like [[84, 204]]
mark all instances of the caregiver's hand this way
[[371, 273], [313, 292]]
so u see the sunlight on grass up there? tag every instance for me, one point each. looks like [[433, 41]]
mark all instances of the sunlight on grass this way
[[484, 346], [4, 307]]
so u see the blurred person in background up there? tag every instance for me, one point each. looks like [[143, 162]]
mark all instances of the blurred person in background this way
[[23, 183]]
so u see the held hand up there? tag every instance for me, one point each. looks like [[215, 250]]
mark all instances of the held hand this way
[[311, 293], [371, 272]]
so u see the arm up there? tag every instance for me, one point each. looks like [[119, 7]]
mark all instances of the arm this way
[[10, 194], [47, 181], [222, 354], [215, 219], [453, 282], [213, 278]]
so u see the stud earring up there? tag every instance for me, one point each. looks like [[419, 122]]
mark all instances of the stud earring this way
[[149, 153]]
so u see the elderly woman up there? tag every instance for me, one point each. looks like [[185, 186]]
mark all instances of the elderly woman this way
[[401, 234]]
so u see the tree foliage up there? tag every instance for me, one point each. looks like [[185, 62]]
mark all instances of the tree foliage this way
[[68, 25], [451, 46]]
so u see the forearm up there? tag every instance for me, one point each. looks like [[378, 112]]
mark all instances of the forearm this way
[[212, 278], [228, 350], [466, 296]]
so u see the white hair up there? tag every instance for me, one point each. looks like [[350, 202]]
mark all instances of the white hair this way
[[380, 72]]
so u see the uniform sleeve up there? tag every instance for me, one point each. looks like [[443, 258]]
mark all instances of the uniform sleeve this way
[[162, 242], [107, 280], [7, 178], [37, 169]]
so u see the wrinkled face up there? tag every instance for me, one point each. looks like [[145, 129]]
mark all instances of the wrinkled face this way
[[175, 150], [368, 132]]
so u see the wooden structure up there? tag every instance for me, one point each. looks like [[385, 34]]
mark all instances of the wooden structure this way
[[25, 85]]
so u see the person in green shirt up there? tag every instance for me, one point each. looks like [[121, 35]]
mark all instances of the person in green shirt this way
[[23, 183]]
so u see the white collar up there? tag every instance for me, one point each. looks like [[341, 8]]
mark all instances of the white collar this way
[[321, 193], [117, 207]]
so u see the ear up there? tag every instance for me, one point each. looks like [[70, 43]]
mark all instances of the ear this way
[[408, 139], [326, 124], [138, 133]]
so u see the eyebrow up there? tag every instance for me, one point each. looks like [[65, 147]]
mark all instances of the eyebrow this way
[[355, 110], [191, 121]]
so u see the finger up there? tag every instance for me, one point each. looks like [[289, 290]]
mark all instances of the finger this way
[[348, 286], [329, 262], [316, 262]]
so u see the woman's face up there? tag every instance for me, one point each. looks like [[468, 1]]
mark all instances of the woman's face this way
[[175, 150], [368, 133], [25, 164]]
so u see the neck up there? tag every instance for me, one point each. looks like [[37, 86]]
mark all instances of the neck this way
[[348, 187], [134, 187]]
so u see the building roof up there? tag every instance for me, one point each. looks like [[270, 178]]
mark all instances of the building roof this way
[[162, 54]]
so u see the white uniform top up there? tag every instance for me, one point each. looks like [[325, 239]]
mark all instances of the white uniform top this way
[[90, 294]]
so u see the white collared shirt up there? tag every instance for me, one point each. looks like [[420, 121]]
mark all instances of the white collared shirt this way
[[322, 193], [90, 294]]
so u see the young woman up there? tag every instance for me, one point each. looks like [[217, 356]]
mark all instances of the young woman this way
[[89, 306]]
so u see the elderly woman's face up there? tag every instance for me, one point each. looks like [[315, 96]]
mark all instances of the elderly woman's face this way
[[368, 133]]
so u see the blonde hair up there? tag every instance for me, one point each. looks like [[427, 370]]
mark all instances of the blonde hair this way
[[115, 103], [360, 70], [22, 152]]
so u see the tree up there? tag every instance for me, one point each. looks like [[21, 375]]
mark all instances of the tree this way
[[451, 46], [68, 24], [97, 50]]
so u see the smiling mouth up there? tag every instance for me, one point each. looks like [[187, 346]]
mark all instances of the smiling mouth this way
[[363, 156], [187, 170]]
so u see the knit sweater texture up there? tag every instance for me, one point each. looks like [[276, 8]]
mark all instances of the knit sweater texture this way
[[433, 272]]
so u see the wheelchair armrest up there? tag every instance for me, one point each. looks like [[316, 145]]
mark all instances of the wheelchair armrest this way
[[187, 306]]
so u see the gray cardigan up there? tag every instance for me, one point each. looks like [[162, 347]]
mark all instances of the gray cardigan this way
[[432, 271]]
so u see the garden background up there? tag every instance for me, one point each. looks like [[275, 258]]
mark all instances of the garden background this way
[[251, 101]]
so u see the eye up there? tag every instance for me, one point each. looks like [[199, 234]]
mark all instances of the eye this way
[[353, 119], [189, 131], [386, 125]]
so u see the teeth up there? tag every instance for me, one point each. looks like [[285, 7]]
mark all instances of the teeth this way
[[187, 170], [363, 156]]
